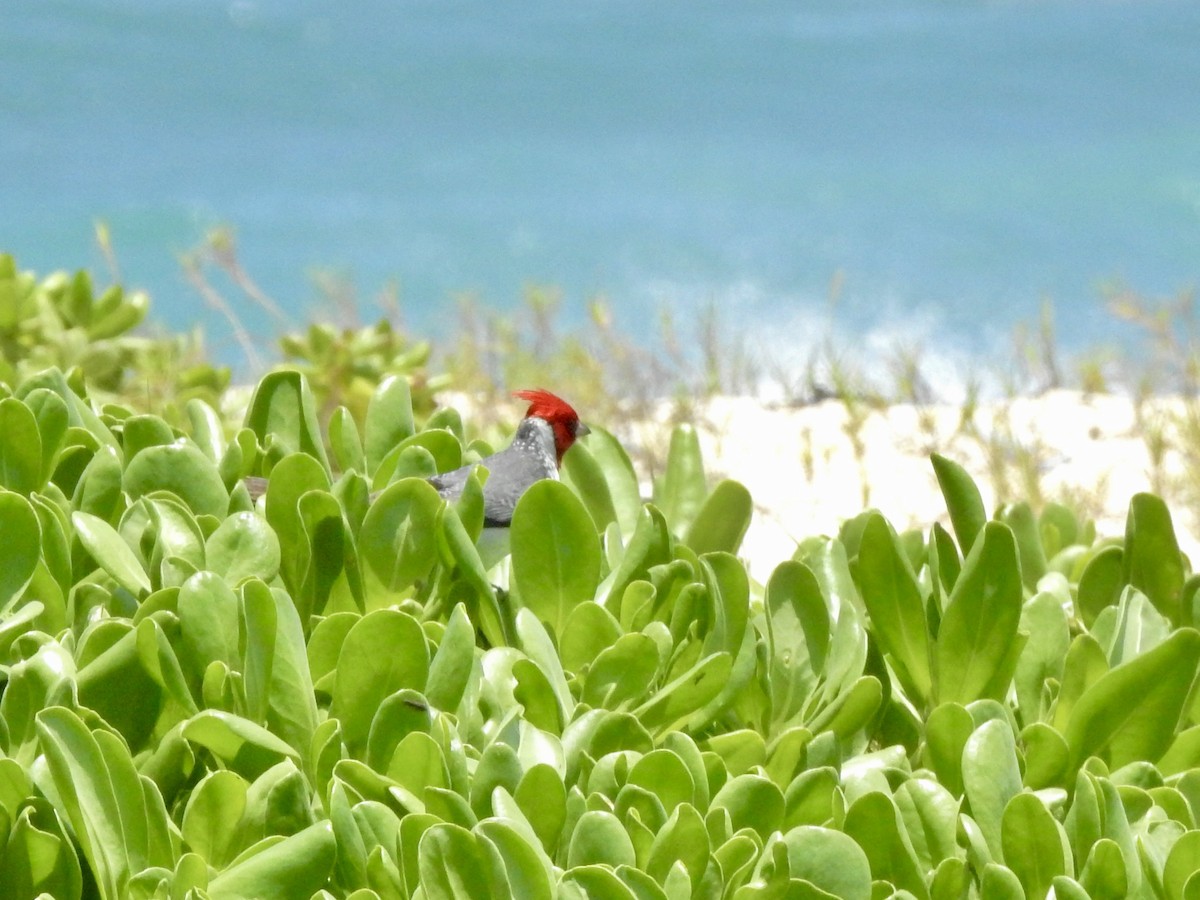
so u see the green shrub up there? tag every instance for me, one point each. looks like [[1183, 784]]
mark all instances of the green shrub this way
[[328, 696]]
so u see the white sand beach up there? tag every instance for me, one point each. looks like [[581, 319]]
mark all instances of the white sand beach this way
[[810, 468]]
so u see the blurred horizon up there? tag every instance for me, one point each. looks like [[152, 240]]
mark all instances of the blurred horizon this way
[[951, 164]]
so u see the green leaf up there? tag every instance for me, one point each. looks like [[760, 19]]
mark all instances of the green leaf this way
[[1152, 562], [283, 409], [622, 673], [618, 472], [246, 747], [582, 472], [599, 839], [555, 552], [212, 814], [681, 490], [458, 865], [345, 442], [1132, 711], [889, 589], [112, 554], [1034, 848], [20, 449], [78, 766], [980, 623], [399, 535], [798, 629], [829, 860], [450, 668], [752, 801], [383, 653], [874, 822], [1019, 517], [282, 868], [963, 501], [722, 521], [389, 420], [243, 546], [52, 420], [991, 778], [678, 699], [181, 469], [21, 547], [1100, 584]]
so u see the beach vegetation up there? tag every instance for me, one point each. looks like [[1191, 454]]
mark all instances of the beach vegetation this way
[[328, 694]]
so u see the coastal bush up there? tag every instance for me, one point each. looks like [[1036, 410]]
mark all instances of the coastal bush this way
[[330, 696]]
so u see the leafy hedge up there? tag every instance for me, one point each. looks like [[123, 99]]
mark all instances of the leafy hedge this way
[[329, 696]]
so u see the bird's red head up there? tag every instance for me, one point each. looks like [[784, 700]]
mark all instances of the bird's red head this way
[[562, 418]]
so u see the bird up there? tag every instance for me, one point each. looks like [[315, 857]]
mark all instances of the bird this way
[[548, 430]]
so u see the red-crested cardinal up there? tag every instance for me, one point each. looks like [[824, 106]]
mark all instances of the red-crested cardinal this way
[[548, 430]]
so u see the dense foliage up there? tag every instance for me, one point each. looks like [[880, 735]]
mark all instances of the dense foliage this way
[[330, 695]]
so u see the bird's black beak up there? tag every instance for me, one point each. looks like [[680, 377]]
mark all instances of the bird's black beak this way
[[582, 430]]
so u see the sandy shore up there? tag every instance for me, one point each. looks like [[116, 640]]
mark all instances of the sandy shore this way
[[810, 468]]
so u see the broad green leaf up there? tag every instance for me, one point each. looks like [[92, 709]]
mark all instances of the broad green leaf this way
[[590, 629], [798, 629], [682, 839], [929, 813], [618, 472], [451, 665], [243, 546], [980, 623], [963, 501], [21, 547], [39, 858], [624, 672], [555, 552], [212, 814], [458, 865], [52, 420], [112, 554], [677, 700], [542, 798], [529, 872], [345, 442], [991, 778], [282, 868], [1044, 619], [874, 823], [599, 839], [399, 535], [20, 448], [142, 431], [722, 521], [1182, 863], [1131, 712], [389, 420], [1033, 846], [889, 589], [1100, 584], [1019, 517], [284, 410], [383, 652], [681, 490], [829, 860], [247, 748], [1152, 562], [182, 469], [77, 765], [582, 472], [752, 801]]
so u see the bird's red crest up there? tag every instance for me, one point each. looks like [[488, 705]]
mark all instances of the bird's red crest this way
[[555, 410]]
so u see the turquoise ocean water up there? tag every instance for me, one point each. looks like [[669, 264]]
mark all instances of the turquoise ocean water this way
[[955, 161]]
